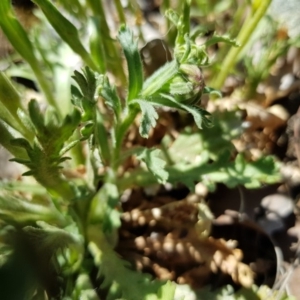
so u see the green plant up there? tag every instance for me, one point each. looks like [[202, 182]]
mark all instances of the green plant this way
[[69, 226]]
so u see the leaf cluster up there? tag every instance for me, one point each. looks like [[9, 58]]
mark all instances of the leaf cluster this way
[[71, 225]]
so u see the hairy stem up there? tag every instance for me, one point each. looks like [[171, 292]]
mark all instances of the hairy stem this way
[[120, 134]]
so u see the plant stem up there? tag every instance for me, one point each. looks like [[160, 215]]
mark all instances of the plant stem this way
[[120, 11], [243, 37], [120, 134], [234, 30], [102, 139]]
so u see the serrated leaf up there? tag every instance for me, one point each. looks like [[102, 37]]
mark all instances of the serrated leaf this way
[[155, 164], [91, 83], [134, 62], [76, 95], [51, 238], [52, 119], [36, 116], [110, 96], [21, 142], [87, 82], [149, 117], [120, 280], [200, 115]]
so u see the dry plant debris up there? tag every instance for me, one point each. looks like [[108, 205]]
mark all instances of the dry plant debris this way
[[171, 240]]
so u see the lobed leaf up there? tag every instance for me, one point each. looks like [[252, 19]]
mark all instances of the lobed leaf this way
[[155, 164], [134, 62], [119, 280], [110, 96], [49, 238], [200, 115], [149, 117]]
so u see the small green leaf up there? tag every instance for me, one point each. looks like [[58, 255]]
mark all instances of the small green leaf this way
[[212, 91], [25, 162], [36, 116], [82, 83], [155, 164], [200, 115], [104, 208], [87, 130], [76, 95], [23, 143], [149, 117], [110, 96], [62, 159], [225, 39], [167, 291], [51, 238], [118, 276], [134, 63], [172, 16], [86, 80]]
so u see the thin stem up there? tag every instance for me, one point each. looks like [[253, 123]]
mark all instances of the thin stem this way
[[242, 203], [120, 134], [102, 139], [120, 11], [243, 37], [233, 31]]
